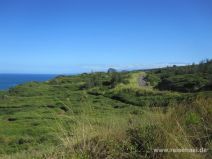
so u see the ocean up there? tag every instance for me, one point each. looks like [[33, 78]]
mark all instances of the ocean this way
[[11, 80]]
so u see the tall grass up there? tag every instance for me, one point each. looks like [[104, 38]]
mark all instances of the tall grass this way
[[182, 126], [136, 136]]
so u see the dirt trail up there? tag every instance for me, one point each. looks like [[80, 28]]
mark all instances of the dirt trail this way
[[141, 81]]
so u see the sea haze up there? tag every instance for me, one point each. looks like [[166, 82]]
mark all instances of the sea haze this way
[[11, 80]]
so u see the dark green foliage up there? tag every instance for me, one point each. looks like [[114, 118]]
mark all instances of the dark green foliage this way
[[205, 66], [189, 78], [11, 119], [208, 86], [94, 80], [182, 83], [64, 108], [22, 141], [119, 105], [115, 79], [146, 98], [152, 79], [100, 79], [96, 91]]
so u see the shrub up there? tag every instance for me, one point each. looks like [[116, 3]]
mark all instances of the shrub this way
[[182, 83], [146, 139], [192, 118], [152, 79]]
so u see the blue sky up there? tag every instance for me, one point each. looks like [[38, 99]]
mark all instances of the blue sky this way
[[71, 36]]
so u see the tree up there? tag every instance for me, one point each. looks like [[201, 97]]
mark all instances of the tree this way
[[115, 79], [94, 80]]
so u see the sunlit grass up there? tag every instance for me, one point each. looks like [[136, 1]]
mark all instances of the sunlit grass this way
[[69, 122]]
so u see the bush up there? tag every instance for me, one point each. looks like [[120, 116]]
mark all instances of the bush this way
[[152, 79], [182, 83], [146, 139], [192, 118]]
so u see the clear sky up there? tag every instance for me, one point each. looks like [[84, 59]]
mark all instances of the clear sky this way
[[71, 36]]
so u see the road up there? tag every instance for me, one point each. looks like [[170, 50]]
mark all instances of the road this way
[[141, 81]]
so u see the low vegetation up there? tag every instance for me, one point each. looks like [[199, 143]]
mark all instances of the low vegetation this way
[[110, 115]]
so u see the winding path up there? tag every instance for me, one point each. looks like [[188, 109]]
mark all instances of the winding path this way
[[141, 81]]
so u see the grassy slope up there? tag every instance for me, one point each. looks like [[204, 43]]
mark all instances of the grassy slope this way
[[59, 119]]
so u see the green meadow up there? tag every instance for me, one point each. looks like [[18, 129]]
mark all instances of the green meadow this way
[[122, 115]]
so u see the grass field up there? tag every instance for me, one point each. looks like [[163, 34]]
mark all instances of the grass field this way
[[63, 119]]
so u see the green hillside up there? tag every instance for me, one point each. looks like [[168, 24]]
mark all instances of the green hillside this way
[[110, 115]]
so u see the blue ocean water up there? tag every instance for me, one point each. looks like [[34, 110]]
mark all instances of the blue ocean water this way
[[11, 80]]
